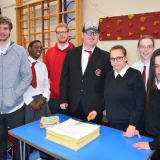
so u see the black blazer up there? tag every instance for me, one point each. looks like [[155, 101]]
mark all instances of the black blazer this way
[[88, 87]]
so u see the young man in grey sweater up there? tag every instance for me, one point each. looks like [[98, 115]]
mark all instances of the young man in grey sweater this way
[[15, 78]]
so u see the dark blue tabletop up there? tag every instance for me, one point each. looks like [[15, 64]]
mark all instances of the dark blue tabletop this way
[[110, 145]]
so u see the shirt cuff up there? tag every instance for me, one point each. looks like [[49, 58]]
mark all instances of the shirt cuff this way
[[46, 96], [28, 100]]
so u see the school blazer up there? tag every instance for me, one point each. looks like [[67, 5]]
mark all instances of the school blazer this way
[[88, 87]]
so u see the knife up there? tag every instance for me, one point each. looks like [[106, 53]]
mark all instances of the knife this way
[[84, 120]]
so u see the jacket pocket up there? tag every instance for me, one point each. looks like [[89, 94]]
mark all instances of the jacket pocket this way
[[8, 97]]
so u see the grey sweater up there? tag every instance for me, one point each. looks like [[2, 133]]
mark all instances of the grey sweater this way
[[15, 77]]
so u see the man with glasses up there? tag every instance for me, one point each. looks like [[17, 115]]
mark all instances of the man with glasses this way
[[145, 48], [54, 61], [83, 75]]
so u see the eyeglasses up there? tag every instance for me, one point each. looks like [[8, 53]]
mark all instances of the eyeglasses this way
[[61, 32], [89, 33], [118, 59], [146, 47]]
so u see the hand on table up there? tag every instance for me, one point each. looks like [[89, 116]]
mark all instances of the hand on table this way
[[142, 145], [131, 132]]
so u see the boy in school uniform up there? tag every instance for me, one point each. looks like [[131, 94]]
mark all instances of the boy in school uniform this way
[[38, 93]]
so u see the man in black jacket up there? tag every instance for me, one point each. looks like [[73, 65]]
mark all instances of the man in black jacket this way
[[83, 75]]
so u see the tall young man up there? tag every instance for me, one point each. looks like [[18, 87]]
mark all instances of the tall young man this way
[[145, 47], [83, 75], [54, 61], [15, 78]]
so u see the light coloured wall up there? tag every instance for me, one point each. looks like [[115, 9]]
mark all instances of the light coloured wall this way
[[95, 9]]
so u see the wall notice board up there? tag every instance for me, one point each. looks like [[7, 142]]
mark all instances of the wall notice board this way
[[129, 27]]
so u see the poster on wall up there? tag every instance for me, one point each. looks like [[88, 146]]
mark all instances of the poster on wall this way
[[130, 27]]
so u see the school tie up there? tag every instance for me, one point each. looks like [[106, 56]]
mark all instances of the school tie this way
[[90, 54], [34, 81], [144, 75], [118, 76]]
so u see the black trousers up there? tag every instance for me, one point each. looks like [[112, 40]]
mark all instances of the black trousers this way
[[13, 120], [54, 106], [80, 114], [32, 115]]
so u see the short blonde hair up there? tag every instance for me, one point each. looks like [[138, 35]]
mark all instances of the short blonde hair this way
[[146, 37], [62, 25]]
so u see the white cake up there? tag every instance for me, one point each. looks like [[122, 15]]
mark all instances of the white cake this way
[[71, 134]]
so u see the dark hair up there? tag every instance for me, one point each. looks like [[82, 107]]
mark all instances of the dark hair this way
[[146, 37], [31, 44], [119, 47], [151, 80], [4, 19]]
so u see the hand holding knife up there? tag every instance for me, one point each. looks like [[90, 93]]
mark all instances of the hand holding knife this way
[[85, 120]]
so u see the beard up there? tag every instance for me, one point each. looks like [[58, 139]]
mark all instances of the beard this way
[[63, 40], [6, 38]]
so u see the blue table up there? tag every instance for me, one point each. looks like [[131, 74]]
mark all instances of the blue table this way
[[110, 145]]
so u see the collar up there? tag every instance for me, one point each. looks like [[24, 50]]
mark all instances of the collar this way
[[31, 60], [83, 49], [7, 46], [63, 47], [142, 65], [157, 84], [122, 72]]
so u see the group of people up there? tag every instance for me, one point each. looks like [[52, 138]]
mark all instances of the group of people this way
[[80, 81]]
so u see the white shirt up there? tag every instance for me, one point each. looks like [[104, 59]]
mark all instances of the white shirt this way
[[122, 72], [84, 59], [3, 50], [157, 84], [63, 47], [140, 66], [42, 82]]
